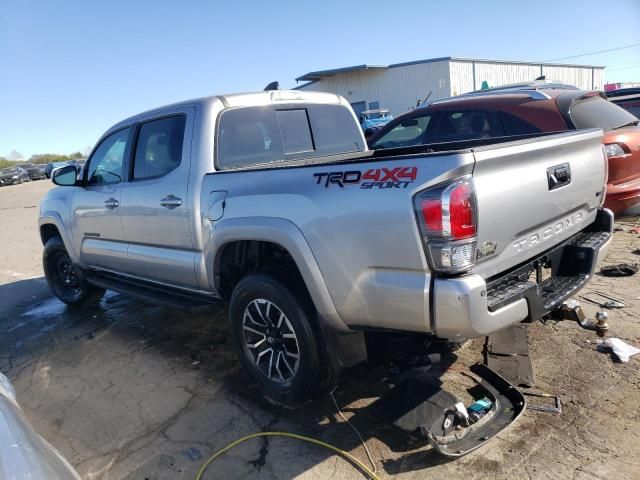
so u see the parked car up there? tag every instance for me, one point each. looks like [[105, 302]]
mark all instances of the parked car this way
[[372, 120], [52, 166], [523, 110], [23, 453], [627, 98], [272, 202], [36, 172], [14, 175]]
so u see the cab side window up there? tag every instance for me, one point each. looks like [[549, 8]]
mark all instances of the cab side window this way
[[106, 163], [159, 147], [467, 125]]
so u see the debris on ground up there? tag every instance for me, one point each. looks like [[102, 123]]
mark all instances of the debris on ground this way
[[619, 270], [555, 408], [620, 349], [602, 300]]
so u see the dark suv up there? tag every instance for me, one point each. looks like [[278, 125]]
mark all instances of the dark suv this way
[[524, 111], [627, 98], [36, 172]]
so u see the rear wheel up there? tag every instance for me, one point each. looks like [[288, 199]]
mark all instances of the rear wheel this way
[[278, 341], [66, 281]]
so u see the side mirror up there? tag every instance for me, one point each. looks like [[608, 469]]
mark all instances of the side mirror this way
[[65, 176]]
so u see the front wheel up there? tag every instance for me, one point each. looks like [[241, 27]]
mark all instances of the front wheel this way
[[65, 280], [278, 340]]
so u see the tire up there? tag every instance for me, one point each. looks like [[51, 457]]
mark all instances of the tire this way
[[66, 281], [257, 327]]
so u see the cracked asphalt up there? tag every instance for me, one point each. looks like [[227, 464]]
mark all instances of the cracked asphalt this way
[[127, 390]]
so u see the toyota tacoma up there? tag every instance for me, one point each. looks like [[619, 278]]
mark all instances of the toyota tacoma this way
[[272, 202]]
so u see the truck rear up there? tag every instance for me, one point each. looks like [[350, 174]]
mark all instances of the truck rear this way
[[457, 240]]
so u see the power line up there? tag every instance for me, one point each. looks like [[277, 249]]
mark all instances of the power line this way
[[622, 68], [595, 53]]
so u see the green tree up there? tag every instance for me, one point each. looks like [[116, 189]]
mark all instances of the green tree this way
[[5, 162]]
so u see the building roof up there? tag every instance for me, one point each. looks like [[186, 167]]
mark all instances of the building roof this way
[[318, 75], [313, 76]]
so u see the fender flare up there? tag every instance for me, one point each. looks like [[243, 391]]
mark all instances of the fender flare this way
[[54, 218], [286, 234]]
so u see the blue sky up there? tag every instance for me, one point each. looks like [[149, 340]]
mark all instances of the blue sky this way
[[70, 69]]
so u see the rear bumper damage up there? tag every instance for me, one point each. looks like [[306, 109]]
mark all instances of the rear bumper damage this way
[[508, 405], [470, 307]]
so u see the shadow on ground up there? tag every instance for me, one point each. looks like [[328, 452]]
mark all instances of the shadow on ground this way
[[142, 391]]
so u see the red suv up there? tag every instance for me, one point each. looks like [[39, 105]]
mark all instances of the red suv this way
[[524, 111]]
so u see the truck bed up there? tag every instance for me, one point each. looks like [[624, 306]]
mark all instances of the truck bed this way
[[357, 216]]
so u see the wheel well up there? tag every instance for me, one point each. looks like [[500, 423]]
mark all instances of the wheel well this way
[[241, 258], [47, 231]]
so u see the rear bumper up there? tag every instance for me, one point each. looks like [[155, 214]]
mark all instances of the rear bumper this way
[[622, 196], [470, 307]]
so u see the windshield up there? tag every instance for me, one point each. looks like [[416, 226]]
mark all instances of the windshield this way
[[8, 170], [27, 165], [597, 112]]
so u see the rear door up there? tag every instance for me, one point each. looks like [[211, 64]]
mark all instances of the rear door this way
[[155, 213], [533, 194], [97, 233]]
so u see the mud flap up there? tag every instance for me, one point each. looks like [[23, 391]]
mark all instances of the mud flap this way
[[508, 405]]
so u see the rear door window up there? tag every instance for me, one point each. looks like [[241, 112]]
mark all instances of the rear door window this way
[[467, 125], [159, 147]]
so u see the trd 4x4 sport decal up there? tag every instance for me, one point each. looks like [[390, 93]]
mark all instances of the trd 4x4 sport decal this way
[[399, 177]]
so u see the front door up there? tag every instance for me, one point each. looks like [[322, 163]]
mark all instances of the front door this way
[[155, 204], [97, 231]]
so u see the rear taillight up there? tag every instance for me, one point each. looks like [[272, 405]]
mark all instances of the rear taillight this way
[[615, 149], [448, 222]]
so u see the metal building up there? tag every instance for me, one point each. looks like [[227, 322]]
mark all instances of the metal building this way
[[398, 87]]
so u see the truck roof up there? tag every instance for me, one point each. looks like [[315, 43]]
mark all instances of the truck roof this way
[[240, 100]]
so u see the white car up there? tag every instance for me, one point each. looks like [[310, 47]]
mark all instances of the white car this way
[[23, 453]]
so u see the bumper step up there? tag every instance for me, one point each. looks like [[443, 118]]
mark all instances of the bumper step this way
[[571, 263]]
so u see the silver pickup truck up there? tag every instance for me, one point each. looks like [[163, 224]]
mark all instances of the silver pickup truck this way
[[272, 202]]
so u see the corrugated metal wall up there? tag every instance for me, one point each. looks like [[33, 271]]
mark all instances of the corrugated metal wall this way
[[497, 73], [397, 89]]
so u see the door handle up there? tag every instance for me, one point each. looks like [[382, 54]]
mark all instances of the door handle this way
[[111, 203], [171, 201]]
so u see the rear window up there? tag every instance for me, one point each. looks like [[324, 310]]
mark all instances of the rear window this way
[[295, 131], [334, 130], [264, 135], [597, 112]]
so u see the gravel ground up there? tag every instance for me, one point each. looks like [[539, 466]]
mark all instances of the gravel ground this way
[[127, 390]]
